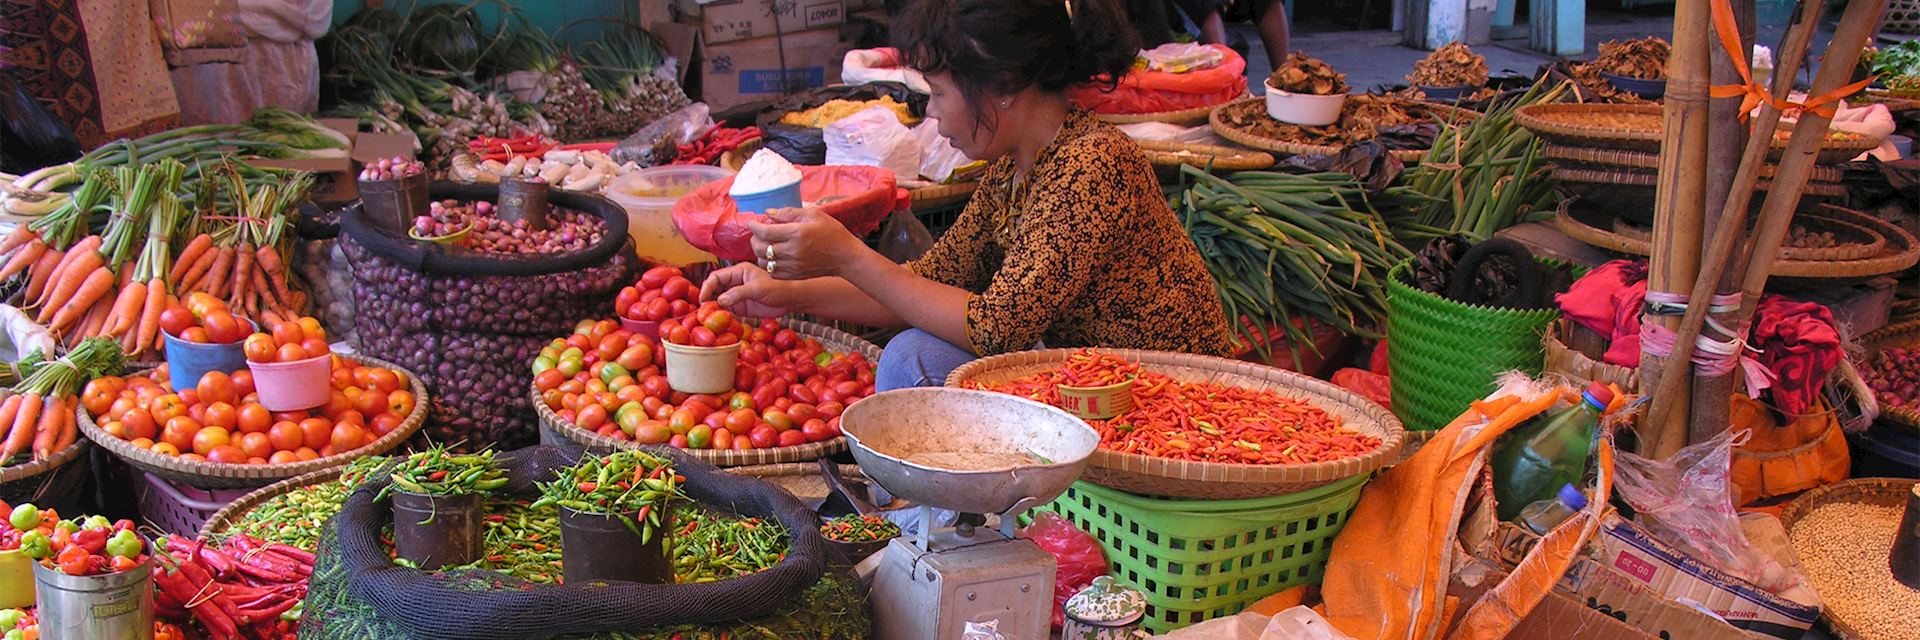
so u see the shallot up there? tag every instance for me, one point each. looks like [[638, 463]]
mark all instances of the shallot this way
[[1894, 376], [392, 168]]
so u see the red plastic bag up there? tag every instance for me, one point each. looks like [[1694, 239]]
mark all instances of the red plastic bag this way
[[1078, 554], [1144, 91], [859, 197], [1368, 384]]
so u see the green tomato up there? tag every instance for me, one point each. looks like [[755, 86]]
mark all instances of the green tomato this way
[[125, 544], [68, 526], [611, 370], [25, 516], [542, 363], [573, 353], [584, 326], [823, 358], [571, 366], [11, 618], [700, 437], [15, 634]]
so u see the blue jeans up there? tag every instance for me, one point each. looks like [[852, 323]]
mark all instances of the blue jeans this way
[[916, 358]]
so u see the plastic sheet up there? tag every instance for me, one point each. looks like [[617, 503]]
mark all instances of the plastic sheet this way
[[859, 197], [657, 143], [1078, 554], [874, 137], [1687, 501], [1147, 91]]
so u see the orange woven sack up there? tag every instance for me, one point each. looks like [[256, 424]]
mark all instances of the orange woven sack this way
[[1778, 459], [1144, 91]]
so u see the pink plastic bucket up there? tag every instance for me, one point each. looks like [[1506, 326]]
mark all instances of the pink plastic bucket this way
[[293, 386], [648, 328]]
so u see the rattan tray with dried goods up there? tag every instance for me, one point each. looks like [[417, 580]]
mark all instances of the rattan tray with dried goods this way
[[1595, 226], [1185, 117], [1205, 156], [1596, 158], [1843, 535], [1894, 101], [1905, 335], [1453, 65], [1630, 193], [1639, 128], [1405, 127]]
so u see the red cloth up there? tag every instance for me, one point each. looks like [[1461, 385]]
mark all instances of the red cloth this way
[[1798, 343], [1368, 384], [1607, 302]]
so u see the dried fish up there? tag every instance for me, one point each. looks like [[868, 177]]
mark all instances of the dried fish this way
[[1301, 73], [1454, 65]]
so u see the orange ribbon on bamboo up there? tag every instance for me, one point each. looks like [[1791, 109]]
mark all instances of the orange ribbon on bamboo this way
[[1751, 93]]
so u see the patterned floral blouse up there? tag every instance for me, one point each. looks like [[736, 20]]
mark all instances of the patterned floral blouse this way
[[1089, 255]]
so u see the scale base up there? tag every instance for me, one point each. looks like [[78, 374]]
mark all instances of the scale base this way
[[932, 595]]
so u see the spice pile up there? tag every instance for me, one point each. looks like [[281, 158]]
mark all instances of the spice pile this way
[[1201, 421], [1644, 59], [1301, 73], [1454, 65], [855, 527], [569, 230], [837, 109]]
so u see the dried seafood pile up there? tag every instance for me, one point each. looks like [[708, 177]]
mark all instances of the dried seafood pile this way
[[1308, 75], [1454, 65], [1364, 117], [1645, 58]]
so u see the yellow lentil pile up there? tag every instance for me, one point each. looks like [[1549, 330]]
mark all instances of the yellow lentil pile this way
[[1848, 567]]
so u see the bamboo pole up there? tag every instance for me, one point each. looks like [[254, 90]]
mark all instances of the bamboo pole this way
[[1681, 196], [1727, 140]]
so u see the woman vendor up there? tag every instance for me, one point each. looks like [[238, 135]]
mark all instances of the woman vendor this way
[[1068, 242]]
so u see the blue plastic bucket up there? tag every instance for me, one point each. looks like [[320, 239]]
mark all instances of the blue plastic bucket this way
[[188, 361], [786, 197]]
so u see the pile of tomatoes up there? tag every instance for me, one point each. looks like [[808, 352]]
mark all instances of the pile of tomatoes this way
[[288, 341], [220, 419], [204, 319], [709, 326], [663, 292], [788, 390]]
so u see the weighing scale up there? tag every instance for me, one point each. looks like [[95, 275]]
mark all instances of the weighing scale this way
[[977, 453]]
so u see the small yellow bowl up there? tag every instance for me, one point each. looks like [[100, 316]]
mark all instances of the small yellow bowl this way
[[16, 580], [1097, 403]]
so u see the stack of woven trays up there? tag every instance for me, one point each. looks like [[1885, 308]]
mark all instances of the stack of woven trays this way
[[557, 430]]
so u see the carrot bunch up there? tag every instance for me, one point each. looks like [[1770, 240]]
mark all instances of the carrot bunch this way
[[244, 261], [40, 415]]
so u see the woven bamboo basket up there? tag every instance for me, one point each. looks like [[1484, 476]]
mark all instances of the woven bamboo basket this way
[[1901, 251], [1185, 117], [213, 475], [1586, 125], [832, 339], [1906, 335], [1603, 158], [1440, 112], [1155, 476], [225, 518], [1883, 492], [1210, 157], [1894, 101], [27, 477], [1631, 192]]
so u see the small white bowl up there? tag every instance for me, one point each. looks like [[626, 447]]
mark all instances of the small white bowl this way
[[1304, 109]]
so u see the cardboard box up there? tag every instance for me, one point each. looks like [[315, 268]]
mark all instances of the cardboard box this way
[[739, 72], [734, 20], [333, 177], [1557, 616]]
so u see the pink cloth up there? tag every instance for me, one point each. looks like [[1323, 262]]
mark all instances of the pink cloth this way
[[1607, 301]]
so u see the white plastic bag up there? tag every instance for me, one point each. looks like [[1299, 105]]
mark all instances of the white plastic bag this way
[[861, 66], [1686, 501], [873, 137], [1298, 623], [938, 158]]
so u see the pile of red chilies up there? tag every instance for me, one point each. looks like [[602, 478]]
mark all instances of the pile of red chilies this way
[[717, 140], [236, 592], [504, 149]]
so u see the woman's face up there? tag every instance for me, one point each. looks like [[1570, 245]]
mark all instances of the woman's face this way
[[958, 121]]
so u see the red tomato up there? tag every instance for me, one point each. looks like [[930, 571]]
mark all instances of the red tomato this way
[[786, 339], [167, 407], [221, 414], [678, 288], [306, 453], [677, 441], [636, 357], [290, 353], [352, 417], [384, 424], [282, 457], [701, 336], [815, 430], [224, 328], [207, 438], [196, 334], [179, 432], [316, 432], [252, 418], [286, 436], [227, 454], [348, 436], [802, 394], [766, 395], [175, 320], [315, 347], [243, 383], [370, 403], [310, 326], [139, 424], [715, 420], [741, 420], [764, 437], [591, 417], [722, 439], [400, 403], [682, 420], [792, 438], [658, 276], [778, 419], [256, 445], [625, 298], [801, 413], [288, 333]]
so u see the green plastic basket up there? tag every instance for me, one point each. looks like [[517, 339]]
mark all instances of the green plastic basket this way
[[1201, 559], [1445, 355]]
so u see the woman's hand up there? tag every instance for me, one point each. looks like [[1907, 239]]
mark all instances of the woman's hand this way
[[796, 244], [747, 290]]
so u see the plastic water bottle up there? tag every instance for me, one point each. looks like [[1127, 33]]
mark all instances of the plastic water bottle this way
[[1534, 460], [1544, 515]]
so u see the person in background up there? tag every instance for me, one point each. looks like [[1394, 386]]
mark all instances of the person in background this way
[[1068, 241], [1270, 18]]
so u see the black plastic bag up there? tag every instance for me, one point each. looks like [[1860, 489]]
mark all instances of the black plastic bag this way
[[807, 145], [1369, 161], [30, 137]]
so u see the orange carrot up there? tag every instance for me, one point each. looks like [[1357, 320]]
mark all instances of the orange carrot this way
[[262, 293], [40, 273], [242, 274], [157, 300], [197, 270], [216, 282], [22, 234], [23, 424], [86, 246], [92, 287], [68, 427], [47, 430], [23, 258], [93, 320], [8, 411], [195, 248], [126, 308], [78, 272], [270, 262]]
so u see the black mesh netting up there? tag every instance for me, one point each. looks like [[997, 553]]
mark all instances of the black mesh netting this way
[[468, 324], [357, 591]]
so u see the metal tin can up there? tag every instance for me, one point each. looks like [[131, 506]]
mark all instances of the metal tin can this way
[[114, 606], [524, 200], [1104, 611]]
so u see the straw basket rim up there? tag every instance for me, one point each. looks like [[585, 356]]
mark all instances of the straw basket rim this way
[[1440, 112], [36, 467], [1891, 259], [832, 339], [1188, 117], [1903, 334], [230, 515], [1623, 158], [1878, 491], [1149, 475], [1549, 122], [941, 195], [1617, 176], [215, 475], [1206, 156]]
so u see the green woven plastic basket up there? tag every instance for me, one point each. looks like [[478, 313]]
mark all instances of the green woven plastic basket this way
[[1444, 355], [1201, 559]]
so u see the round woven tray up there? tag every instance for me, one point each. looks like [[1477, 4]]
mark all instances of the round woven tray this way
[[1187, 117], [34, 468], [833, 339], [1632, 192], [1871, 491], [1150, 475], [214, 475], [1602, 158], [1905, 334], [1894, 102], [1900, 252], [1441, 112], [224, 519], [1605, 126], [1215, 158]]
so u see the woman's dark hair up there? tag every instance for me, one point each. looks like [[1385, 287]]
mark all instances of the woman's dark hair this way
[[1003, 46]]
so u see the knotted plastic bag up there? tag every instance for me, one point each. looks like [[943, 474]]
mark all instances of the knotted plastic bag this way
[[859, 197], [1077, 553], [874, 137], [1687, 501]]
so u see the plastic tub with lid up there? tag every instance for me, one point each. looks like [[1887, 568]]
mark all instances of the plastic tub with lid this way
[[648, 196]]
